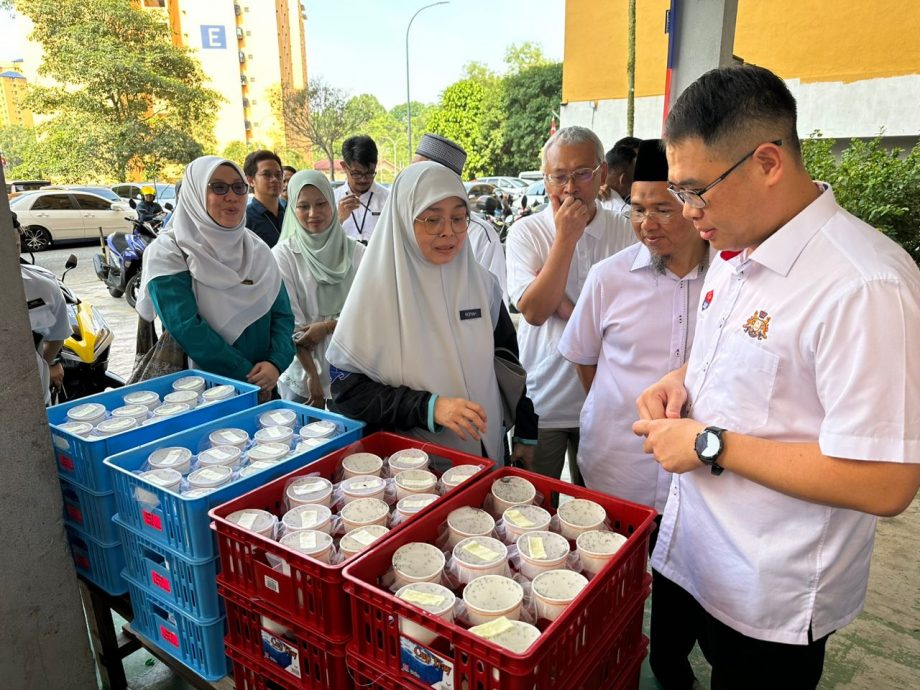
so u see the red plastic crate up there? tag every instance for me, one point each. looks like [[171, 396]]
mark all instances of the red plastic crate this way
[[369, 677], [311, 595], [616, 665], [612, 600], [300, 660]]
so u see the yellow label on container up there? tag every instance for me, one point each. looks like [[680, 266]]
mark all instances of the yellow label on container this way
[[480, 551], [492, 628], [535, 544], [362, 536], [308, 488], [422, 598], [248, 519], [517, 518]]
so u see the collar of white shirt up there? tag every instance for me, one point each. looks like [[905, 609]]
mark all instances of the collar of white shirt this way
[[644, 260], [598, 227]]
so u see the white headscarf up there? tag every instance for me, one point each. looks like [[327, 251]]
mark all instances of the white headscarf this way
[[402, 324], [234, 275]]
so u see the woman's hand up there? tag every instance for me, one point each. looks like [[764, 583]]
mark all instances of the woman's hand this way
[[523, 454], [312, 335], [460, 416], [317, 397], [264, 375]]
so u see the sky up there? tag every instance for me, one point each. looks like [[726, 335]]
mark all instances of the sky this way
[[360, 45]]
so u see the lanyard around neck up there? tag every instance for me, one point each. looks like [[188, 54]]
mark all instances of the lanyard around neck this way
[[367, 208]]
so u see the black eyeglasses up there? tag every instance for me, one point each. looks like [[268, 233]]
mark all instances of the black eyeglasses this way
[[370, 175], [222, 188], [694, 197]]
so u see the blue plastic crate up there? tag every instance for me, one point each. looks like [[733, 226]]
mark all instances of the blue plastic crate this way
[[96, 561], [182, 523], [90, 511], [186, 583], [197, 643], [80, 459]]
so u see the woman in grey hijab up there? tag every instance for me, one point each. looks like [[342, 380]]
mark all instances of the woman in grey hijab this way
[[414, 347]]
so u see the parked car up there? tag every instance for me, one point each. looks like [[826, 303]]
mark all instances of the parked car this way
[[16, 187], [104, 192], [508, 185], [536, 196], [530, 175], [59, 215], [132, 190], [474, 190]]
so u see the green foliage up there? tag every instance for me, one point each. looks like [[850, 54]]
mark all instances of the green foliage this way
[[877, 185], [523, 56], [15, 143], [531, 97], [126, 98]]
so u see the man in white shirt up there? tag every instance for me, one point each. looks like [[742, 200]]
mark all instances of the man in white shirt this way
[[360, 200], [613, 195], [634, 323], [484, 241], [802, 392], [549, 255]]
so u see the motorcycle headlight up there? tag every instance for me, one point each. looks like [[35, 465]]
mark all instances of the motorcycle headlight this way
[[99, 323]]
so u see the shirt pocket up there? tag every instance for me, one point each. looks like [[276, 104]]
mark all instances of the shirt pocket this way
[[743, 384]]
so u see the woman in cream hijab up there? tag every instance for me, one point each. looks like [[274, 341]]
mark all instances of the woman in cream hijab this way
[[215, 285], [414, 346], [318, 262]]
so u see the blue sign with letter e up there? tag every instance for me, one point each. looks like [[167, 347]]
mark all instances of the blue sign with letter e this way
[[213, 36]]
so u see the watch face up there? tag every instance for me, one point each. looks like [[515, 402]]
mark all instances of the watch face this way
[[708, 445]]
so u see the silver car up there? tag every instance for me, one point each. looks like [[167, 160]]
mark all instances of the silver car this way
[[50, 216]]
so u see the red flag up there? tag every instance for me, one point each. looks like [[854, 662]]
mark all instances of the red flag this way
[[552, 127]]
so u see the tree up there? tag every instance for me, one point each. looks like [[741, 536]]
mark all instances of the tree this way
[[530, 98], [15, 143], [321, 114], [523, 56], [125, 95]]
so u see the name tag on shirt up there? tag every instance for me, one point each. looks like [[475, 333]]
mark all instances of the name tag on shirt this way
[[35, 303], [467, 314]]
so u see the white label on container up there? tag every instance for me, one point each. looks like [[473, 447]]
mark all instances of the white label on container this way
[[248, 519], [308, 488], [308, 517], [518, 519], [219, 454], [277, 432], [416, 483], [492, 628], [481, 551], [307, 540], [423, 598], [417, 503], [361, 486], [363, 537], [173, 456], [210, 475], [279, 418], [234, 437], [537, 549]]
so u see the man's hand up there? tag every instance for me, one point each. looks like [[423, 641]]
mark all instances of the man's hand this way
[[347, 204], [565, 309], [570, 217], [524, 454], [460, 416], [57, 376], [264, 375], [664, 399], [312, 335], [672, 442], [317, 396]]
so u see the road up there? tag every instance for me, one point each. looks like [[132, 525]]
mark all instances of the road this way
[[121, 318]]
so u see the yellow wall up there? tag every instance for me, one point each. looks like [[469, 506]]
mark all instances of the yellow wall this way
[[846, 40], [12, 110]]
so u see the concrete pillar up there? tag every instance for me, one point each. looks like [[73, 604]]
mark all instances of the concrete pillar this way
[[705, 36], [43, 637]]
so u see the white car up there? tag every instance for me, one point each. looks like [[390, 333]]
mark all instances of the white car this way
[[507, 185], [59, 215], [536, 196]]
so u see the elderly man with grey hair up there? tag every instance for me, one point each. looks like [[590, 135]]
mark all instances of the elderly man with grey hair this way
[[549, 255]]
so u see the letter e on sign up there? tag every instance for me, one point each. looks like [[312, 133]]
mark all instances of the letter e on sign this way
[[213, 36]]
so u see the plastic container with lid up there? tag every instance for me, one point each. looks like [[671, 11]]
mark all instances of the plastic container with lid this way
[[115, 425], [309, 516], [306, 445], [515, 636], [170, 410], [359, 539], [458, 474], [255, 467], [410, 482], [136, 412], [321, 429], [541, 551], [148, 399], [220, 455], [215, 393], [554, 590], [413, 503], [165, 478], [511, 491], [468, 521], [311, 543], [431, 597], [365, 464], [182, 397], [417, 562], [210, 477], [229, 437], [521, 519], [83, 429], [176, 458], [91, 413], [492, 596], [478, 556], [189, 383], [258, 521], [283, 417], [580, 515], [596, 548], [196, 493], [362, 486], [408, 459], [364, 512], [274, 434], [304, 490], [269, 452]]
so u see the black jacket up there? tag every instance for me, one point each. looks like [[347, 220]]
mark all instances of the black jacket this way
[[263, 223]]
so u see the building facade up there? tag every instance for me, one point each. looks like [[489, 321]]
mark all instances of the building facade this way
[[854, 67], [13, 90]]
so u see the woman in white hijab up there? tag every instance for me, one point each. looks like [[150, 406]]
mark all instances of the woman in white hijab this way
[[215, 285], [414, 346], [318, 262]]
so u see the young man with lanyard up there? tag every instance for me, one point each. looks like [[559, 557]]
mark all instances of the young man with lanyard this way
[[549, 255], [266, 209], [801, 398], [634, 323], [484, 241], [360, 200]]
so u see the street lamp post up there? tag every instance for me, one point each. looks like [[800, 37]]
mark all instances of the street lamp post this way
[[408, 101]]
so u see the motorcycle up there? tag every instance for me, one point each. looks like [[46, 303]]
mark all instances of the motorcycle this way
[[119, 264]]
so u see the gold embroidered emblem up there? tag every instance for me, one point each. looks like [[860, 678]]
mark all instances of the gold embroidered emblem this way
[[758, 325]]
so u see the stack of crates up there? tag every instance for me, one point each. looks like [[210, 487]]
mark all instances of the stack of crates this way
[[596, 643], [86, 484], [171, 559], [288, 616]]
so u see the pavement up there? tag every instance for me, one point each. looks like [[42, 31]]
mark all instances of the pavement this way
[[880, 650]]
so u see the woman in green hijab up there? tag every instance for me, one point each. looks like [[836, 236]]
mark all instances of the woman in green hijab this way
[[318, 262]]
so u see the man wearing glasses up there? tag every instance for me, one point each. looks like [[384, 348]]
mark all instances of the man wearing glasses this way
[[265, 210], [549, 255], [361, 199], [797, 418]]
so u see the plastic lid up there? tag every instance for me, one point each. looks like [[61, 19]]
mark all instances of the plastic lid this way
[[171, 409], [219, 455], [252, 519], [140, 398], [231, 437], [221, 392], [310, 516], [269, 452], [409, 459], [76, 428], [364, 510], [416, 479], [582, 512], [410, 505], [362, 463], [164, 478], [131, 411], [209, 477], [460, 473], [255, 467], [513, 489], [186, 396], [307, 541], [274, 434], [170, 457], [304, 488], [543, 546], [362, 485], [320, 429], [361, 538], [480, 551], [429, 596], [282, 417], [116, 425], [186, 383], [85, 412]]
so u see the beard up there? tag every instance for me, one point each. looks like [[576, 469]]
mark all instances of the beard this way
[[660, 262]]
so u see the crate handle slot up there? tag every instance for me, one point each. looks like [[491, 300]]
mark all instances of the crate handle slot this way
[[156, 558]]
